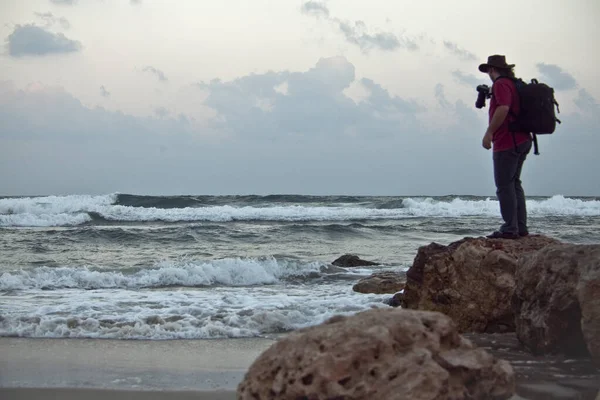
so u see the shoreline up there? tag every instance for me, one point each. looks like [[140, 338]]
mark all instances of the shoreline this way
[[102, 394], [156, 365], [181, 369]]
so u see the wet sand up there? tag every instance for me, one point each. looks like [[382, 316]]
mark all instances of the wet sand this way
[[104, 394], [196, 365], [543, 377], [32, 369]]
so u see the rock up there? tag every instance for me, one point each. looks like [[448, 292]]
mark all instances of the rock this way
[[378, 354], [381, 282], [351, 260], [396, 300], [588, 294], [557, 300], [471, 280]]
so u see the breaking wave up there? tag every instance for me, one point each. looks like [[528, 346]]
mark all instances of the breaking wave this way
[[77, 210], [223, 272]]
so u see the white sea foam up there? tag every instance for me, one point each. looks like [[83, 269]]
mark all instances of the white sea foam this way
[[554, 206], [428, 207], [42, 220], [54, 204], [52, 210], [74, 210], [560, 205], [186, 313], [228, 272]]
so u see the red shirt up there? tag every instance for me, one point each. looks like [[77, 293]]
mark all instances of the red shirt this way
[[505, 94]]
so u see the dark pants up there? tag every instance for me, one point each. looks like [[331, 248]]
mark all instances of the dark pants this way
[[507, 175]]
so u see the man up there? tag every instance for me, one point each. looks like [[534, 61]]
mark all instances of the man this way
[[509, 148]]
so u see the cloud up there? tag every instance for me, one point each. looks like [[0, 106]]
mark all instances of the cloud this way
[[461, 53], [313, 104], [357, 33], [91, 149], [440, 96], [161, 112], [314, 139], [51, 20], [135, 2], [587, 103], [282, 131], [315, 8], [64, 2], [556, 77], [104, 92], [380, 101], [467, 79], [159, 74], [36, 41]]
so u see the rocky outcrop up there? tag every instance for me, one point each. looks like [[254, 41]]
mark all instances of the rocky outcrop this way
[[381, 282], [588, 294], [378, 354], [471, 280], [557, 300], [351, 261]]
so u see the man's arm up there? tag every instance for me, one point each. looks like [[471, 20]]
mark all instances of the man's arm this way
[[503, 95], [497, 120]]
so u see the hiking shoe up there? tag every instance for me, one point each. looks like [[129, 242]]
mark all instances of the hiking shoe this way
[[503, 235], [523, 234]]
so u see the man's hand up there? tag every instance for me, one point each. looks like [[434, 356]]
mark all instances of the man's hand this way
[[487, 140]]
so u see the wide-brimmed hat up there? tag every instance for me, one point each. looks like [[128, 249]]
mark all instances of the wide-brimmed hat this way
[[496, 61]]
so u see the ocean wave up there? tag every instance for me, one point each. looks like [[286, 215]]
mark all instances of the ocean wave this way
[[182, 314], [225, 272], [52, 210], [251, 200], [76, 210]]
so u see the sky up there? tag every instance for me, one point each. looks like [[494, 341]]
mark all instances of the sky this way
[[313, 97]]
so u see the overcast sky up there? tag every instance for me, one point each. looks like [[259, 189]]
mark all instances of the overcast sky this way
[[309, 97]]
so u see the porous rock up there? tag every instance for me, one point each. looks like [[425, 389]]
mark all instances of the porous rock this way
[[557, 300], [471, 280], [381, 282], [389, 354]]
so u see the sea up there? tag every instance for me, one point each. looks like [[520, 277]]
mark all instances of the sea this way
[[123, 266]]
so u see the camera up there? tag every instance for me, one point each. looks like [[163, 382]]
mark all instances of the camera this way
[[483, 92]]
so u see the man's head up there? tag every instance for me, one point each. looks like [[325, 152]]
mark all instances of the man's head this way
[[496, 66]]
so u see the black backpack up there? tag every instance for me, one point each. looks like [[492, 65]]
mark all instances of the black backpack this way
[[536, 114]]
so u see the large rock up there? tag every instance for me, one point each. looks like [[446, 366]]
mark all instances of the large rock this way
[[588, 294], [351, 261], [471, 280], [378, 354], [381, 282], [557, 300]]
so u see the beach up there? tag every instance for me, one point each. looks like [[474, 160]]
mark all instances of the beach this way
[[72, 368], [101, 394], [32, 369], [197, 365]]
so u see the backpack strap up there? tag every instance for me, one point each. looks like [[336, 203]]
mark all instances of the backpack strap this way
[[511, 112], [535, 145], [557, 110]]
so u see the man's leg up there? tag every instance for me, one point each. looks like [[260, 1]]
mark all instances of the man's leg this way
[[505, 170], [524, 149]]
